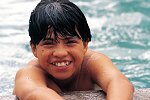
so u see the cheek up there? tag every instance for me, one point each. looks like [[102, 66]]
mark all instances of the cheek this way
[[79, 56], [42, 54]]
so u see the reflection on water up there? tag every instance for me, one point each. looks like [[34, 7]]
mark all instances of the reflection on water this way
[[120, 30]]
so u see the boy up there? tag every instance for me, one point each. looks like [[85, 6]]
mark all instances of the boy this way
[[59, 40]]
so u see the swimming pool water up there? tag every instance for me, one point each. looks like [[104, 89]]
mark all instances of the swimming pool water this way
[[120, 29]]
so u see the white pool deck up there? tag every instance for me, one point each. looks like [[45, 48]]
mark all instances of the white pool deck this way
[[139, 94]]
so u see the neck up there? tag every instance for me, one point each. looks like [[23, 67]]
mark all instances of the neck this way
[[68, 84]]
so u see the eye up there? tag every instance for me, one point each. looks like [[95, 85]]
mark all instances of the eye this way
[[49, 43], [71, 41]]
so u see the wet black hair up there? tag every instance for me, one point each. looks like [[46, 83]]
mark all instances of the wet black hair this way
[[63, 16]]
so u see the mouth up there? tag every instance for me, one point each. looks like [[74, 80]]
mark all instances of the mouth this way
[[61, 64]]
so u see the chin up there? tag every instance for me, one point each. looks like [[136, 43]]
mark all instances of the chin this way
[[64, 77]]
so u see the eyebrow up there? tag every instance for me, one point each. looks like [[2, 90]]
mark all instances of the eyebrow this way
[[49, 39], [70, 37], [62, 38]]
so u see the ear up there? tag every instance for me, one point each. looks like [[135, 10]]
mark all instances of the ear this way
[[34, 50], [85, 44]]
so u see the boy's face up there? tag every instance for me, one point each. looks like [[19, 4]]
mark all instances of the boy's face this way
[[63, 58]]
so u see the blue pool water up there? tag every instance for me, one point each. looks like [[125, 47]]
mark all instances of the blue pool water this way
[[120, 28]]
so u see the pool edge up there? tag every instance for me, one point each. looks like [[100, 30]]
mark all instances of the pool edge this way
[[139, 94]]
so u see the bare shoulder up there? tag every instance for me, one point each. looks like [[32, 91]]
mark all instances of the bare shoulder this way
[[99, 63], [28, 77], [32, 81], [93, 57], [102, 69], [32, 69]]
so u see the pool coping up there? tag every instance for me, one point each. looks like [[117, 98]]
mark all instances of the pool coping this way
[[139, 94]]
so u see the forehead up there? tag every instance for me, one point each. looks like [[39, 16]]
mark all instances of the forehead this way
[[54, 34], [59, 35]]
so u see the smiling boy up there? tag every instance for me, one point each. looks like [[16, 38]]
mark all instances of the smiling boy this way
[[59, 40]]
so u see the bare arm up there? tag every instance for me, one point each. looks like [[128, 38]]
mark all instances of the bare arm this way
[[109, 78], [30, 84]]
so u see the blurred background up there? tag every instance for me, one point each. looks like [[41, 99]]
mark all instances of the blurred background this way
[[120, 29]]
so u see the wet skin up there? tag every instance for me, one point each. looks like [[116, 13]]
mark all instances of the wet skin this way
[[67, 65], [61, 59]]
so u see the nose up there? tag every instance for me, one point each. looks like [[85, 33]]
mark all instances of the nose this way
[[60, 51]]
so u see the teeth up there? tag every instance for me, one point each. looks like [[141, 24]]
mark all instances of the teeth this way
[[61, 64]]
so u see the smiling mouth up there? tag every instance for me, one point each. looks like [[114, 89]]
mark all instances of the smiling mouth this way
[[62, 64]]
